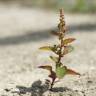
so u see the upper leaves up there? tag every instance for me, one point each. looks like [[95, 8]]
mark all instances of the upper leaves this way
[[67, 41], [50, 48], [46, 48], [67, 49], [55, 33]]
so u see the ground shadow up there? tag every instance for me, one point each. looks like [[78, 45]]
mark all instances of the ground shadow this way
[[43, 34], [38, 89], [25, 38], [82, 27], [60, 89]]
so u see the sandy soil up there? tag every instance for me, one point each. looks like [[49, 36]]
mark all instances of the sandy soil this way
[[22, 32]]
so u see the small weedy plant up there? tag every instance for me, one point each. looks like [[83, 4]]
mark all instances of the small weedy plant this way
[[64, 47]]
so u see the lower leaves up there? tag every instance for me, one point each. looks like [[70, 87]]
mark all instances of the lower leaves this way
[[60, 72]]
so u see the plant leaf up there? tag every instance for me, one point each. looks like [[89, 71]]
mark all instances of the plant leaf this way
[[68, 49], [67, 41], [55, 33], [52, 74], [72, 72], [47, 67], [61, 72], [48, 48], [55, 59]]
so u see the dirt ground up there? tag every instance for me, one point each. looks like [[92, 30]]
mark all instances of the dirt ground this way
[[23, 31]]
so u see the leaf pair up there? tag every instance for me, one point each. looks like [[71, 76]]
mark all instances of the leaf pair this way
[[60, 71], [67, 49], [66, 41]]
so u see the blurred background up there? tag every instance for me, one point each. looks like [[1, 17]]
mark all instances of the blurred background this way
[[25, 25], [68, 5]]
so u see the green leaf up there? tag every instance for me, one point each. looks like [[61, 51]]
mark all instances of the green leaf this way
[[55, 59], [68, 49], [48, 48], [67, 41], [61, 72]]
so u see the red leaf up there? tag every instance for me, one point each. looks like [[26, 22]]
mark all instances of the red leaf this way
[[47, 67], [55, 33], [52, 74], [72, 72]]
